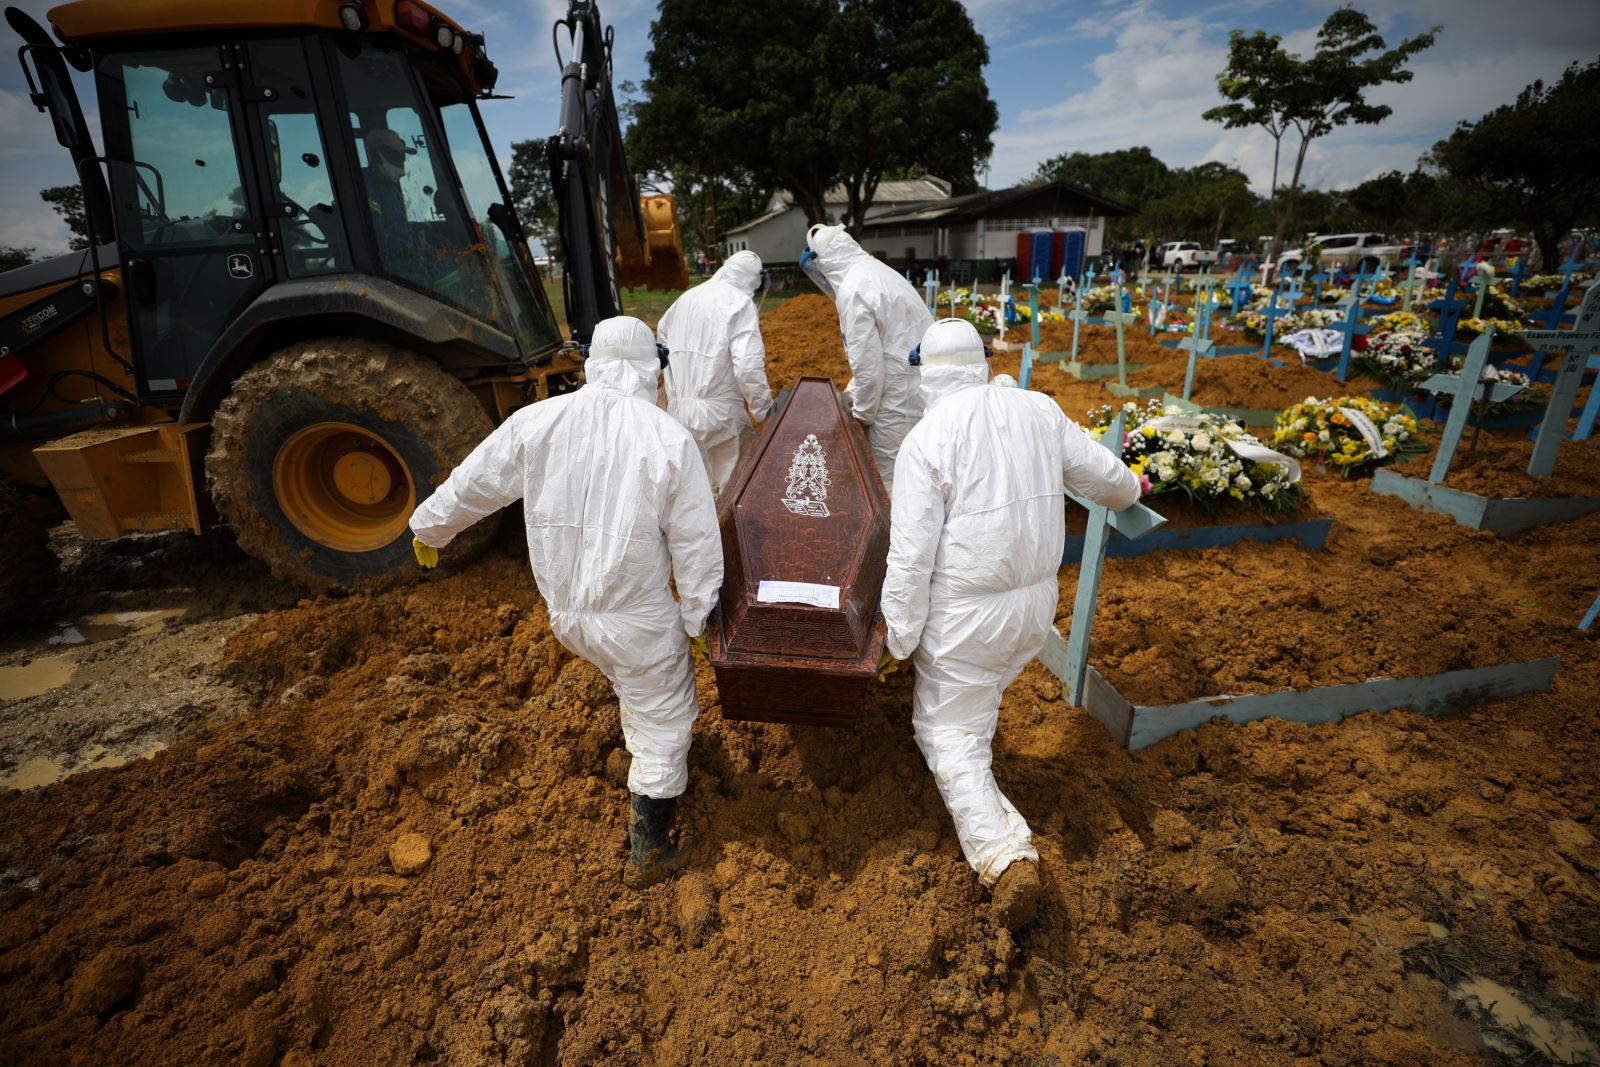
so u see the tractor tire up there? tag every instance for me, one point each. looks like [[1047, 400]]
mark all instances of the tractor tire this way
[[29, 573], [321, 452]]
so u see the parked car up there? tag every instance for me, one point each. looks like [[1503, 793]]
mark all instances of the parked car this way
[[1185, 254], [1356, 251]]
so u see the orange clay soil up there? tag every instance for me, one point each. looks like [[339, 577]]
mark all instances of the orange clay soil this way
[[1497, 466], [1248, 382], [1234, 895]]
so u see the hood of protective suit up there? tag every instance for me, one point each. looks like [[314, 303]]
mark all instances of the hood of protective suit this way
[[742, 271], [622, 358], [836, 252], [939, 382]]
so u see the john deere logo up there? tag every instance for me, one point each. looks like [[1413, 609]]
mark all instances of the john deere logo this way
[[239, 266], [32, 323]]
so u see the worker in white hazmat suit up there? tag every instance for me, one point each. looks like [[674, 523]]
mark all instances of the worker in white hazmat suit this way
[[882, 318], [718, 364], [617, 503], [977, 527]]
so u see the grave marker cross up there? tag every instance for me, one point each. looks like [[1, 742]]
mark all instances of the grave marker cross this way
[[1349, 327], [930, 289], [1575, 344], [1273, 311], [1120, 319], [1465, 388], [1132, 522], [1449, 309], [1482, 282], [1199, 342], [1241, 289], [1079, 316]]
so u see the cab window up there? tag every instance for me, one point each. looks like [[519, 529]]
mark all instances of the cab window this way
[[424, 235]]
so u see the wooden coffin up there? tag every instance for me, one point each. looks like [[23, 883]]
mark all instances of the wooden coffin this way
[[796, 635]]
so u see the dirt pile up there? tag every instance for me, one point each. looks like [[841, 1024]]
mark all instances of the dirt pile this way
[[1220, 382], [1496, 465], [409, 848]]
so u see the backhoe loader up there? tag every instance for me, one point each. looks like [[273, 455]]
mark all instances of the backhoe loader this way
[[306, 294]]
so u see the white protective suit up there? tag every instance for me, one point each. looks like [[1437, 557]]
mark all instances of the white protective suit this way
[[617, 502], [882, 318], [977, 528], [718, 364]]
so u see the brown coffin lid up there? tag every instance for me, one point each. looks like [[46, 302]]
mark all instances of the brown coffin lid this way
[[805, 505]]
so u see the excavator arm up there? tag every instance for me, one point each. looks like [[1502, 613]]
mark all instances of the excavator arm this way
[[609, 239]]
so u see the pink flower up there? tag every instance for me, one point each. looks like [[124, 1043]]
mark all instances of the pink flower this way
[[1146, 486]]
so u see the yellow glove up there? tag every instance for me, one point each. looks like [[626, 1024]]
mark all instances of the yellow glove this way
[[887, 665], [427, 555], [698, 644]]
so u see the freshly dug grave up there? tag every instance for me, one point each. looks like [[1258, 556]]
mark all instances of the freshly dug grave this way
[[1497, 466], [1248, 382], [1236, 895]]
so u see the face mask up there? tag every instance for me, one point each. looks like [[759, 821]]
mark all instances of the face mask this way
[[386, 170], [813, 269]]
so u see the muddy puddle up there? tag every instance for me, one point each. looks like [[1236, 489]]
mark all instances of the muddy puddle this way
[[1511, 1020], [46, 770], [40, 674]]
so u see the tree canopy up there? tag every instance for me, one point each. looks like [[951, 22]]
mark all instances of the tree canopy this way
[[67, 200], [532, 195], [817, 92], [1534, 159], [1280, 91]]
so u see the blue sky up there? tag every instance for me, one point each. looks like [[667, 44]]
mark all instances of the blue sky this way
[[1083, 75]]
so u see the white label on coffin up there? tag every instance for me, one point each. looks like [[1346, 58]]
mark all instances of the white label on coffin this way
[[818, 596]]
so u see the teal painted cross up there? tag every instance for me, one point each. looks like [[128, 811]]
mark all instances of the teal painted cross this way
[[1417, 280], [1144, 282], [1033, 309], [1079, 316], [1120, 319], [1199, 342], [1465, 389], [1449, 309], [1300, 282], [1558, 307], [930, 289], [1575, 345], [1133, 522], [1320, 278]]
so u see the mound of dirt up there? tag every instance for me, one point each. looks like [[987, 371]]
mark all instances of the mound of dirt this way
[[409, 848], [1497, 466], [1247, 382]]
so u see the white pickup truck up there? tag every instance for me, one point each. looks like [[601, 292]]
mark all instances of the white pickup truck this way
[[1185, 254], [1355, 251]]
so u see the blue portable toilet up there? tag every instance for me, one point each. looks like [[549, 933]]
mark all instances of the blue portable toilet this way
[[1074, 246], [1039, 249]]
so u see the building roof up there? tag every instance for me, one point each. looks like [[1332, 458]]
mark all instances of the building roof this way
[[985, 203], [753, 223]]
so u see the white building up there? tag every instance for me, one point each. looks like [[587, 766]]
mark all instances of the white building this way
[[780, 234], [983, 227]]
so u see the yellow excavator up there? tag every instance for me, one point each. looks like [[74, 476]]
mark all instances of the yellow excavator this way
[[306, 294]]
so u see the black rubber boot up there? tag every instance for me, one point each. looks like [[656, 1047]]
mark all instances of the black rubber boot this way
[[652, 856]]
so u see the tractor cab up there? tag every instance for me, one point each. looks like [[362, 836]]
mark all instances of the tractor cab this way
[[249, 148]]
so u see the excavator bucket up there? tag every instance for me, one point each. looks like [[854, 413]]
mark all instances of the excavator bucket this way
[[663, 266]]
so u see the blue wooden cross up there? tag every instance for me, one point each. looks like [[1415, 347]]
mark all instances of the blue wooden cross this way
[[1591, 409], [1299, 284], [1079, 316], [1519, 270], [930, 289], [1242, 288], [1318, 279], [1575, 345], [1449, 309], [1144, 282], [1591, 615], [1273, 311], [1349, 327], [1358, 282], [1133, 522], [1465, 389], [1556, 314]]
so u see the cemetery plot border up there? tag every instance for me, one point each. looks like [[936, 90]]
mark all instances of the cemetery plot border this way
[[1501, 515], [1243, 416], [1135, 726], [1311, 533]]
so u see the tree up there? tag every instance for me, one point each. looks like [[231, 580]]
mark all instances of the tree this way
[[907, 93], [12, 258], [1533, 160], [67, 200], [1279, 91], [1199, 203], [1131, 176], [808, 93], [532, 196]]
